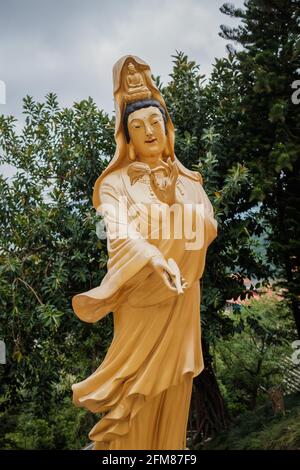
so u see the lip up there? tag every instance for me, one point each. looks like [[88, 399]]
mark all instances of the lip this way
[[151, 141]]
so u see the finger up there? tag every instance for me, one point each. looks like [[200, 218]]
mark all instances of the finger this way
[[175, 172], [167, 281], [171, 274], [166, 166], [158, 168], [172, 163], [164, 183], [152, 181], [170, 271]]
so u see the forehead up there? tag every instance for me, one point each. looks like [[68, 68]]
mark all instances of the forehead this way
[[144, 113]]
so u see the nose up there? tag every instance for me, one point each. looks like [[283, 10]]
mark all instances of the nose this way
[[148, 129]]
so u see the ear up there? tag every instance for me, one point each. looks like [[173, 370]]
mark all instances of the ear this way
[[166, 150], [131, 153]]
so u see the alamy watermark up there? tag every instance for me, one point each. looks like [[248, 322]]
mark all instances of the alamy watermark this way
[[296, 94], [181, 221], [2, 352], [296, 353], [2, 92]]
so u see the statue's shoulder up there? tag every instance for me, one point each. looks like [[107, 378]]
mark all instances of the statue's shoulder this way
[[195, 182], [113, 179], [106, 183], [199, 178], [195, 177]]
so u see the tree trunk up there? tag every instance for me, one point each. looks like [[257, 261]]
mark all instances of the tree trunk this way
[[296, 312], [208, 413]]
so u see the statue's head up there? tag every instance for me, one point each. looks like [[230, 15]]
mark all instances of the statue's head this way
[[131, 68], [144, 124]]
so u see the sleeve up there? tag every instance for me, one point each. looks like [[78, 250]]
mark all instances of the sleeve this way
[[211, 225], [200, 226], [128, 254], [204, 229]]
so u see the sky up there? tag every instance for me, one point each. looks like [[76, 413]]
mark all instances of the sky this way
[[70, 46]]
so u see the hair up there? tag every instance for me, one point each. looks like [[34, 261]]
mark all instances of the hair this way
[[131, 107]]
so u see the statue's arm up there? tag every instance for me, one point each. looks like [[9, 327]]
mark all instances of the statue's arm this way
[[129, 252], [211, 225]]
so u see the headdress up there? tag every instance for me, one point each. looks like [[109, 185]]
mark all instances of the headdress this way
[[132, 82]]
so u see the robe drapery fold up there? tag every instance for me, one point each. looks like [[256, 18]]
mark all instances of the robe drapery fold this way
[[156, 348]]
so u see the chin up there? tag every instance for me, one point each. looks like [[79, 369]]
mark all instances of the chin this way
[[153, 152]]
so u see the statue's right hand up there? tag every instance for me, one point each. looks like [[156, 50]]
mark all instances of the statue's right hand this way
[[161, 267]]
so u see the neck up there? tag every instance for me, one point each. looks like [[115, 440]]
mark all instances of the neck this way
[[151, 161]]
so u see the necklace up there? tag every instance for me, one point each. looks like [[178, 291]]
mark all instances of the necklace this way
[[146, 180]]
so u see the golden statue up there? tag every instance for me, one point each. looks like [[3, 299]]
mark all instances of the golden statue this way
[[159, 224]]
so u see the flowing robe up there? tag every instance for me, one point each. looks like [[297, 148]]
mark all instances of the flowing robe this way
[[144, 383]]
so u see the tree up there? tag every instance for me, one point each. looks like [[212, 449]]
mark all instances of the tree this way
[[251, 361], [49, 249], [267, 67]]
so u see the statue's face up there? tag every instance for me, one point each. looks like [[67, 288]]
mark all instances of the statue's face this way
[[131, 67], [147, 132]]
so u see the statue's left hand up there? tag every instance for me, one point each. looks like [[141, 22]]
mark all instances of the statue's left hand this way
[[165, 189]]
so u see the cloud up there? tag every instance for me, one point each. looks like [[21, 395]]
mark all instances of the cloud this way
[[69, 47]]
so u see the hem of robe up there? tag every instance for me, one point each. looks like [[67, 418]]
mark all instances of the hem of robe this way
[[118, 424], [123, 393]]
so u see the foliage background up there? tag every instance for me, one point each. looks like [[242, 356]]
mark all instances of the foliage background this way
[[239, 129]]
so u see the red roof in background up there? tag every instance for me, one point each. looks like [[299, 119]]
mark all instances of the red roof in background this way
[[256, 293]]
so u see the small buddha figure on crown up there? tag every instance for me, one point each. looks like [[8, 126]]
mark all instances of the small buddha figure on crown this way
[[135, 85]]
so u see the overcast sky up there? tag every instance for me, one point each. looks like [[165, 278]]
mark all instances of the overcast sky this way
[[70, 46]]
